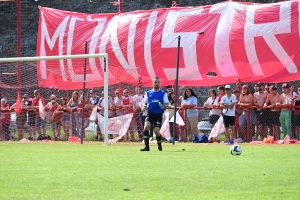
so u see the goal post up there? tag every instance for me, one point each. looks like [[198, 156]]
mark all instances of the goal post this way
[[78, 56]]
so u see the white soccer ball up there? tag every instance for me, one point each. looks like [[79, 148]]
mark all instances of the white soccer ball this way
[[236, 149]]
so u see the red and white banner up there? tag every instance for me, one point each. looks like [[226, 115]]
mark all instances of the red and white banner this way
[[218, 128], [241, 42], [116, 125], [165, 128]]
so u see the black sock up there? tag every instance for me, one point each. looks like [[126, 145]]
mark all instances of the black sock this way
[[146, 138], [151, 132], [158, 139]]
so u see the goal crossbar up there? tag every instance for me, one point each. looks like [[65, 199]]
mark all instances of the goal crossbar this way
[[78, 56], [37, 58]]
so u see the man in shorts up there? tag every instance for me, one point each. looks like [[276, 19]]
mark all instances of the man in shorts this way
[[274, 112], [286, 100], [155, 101], [260, 98], [228, 105], [245, 101]]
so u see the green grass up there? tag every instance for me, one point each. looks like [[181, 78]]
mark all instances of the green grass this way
[[61, 170]]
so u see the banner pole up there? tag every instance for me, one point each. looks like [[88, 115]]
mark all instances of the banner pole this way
[[83, 100], [120, 6], [106, 100], [176, 88]]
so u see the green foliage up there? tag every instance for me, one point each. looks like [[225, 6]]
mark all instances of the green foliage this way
[[64, 170]]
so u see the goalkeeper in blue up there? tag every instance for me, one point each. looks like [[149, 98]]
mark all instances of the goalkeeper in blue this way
[[156, 100]]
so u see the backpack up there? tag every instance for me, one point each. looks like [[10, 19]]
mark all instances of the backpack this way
[[44, 137], [200, 138]]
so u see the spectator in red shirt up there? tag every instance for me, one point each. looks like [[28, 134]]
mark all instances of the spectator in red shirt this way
[[5, 119], [65, 112], [50, 113], [21, 118], [55, 120], [86, 115]]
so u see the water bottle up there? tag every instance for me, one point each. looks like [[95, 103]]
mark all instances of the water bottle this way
[[162, 106]]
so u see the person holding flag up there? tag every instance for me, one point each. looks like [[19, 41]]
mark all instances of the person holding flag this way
[[156, 101]]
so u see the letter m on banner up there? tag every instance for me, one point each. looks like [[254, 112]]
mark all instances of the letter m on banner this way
[[45, 37]]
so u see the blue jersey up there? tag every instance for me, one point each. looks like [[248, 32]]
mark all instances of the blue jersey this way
[[154, 99]]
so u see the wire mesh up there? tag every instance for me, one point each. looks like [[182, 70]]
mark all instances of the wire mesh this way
[[29, 20]]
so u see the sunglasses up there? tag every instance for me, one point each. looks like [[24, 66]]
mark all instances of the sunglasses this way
[[117, 93]]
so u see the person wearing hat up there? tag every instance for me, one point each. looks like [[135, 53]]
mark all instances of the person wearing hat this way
[[260, 98], [285, 102], [245, 101], [228, 110]]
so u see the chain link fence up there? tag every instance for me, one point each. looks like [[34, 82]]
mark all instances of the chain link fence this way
[[28, 17]]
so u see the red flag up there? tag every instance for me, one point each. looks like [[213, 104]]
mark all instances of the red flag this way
[[18, 105]]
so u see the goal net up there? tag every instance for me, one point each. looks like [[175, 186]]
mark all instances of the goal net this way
[[54, 79]]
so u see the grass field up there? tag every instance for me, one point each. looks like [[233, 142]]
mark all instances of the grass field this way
[[61, 170]]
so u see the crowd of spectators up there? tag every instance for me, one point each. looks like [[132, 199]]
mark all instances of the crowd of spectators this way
[[264, 111]]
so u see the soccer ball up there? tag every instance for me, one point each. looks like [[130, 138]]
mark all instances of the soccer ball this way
[[236, 150]]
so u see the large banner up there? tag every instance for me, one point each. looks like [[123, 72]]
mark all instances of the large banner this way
[[222, 43]]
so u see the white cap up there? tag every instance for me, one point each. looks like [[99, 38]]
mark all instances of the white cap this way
[[227, 86]]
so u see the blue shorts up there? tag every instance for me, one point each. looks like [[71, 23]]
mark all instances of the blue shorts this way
[[243, 118], [40, 122], [54, 125], [65, 118]]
